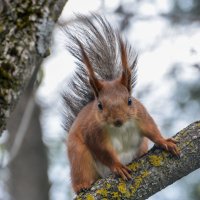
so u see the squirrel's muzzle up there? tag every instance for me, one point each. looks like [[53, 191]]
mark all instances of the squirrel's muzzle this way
[[118, 122]]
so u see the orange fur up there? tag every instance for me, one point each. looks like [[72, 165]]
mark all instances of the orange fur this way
[[90, 141]]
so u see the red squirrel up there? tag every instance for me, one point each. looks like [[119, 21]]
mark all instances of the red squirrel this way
[[107, 126]]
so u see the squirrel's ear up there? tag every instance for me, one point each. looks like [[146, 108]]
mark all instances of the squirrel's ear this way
[[126, 72], [96, 86], [94, 82]]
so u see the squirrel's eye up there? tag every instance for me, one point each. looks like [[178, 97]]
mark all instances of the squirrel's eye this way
[[129, 101], [100, 105]]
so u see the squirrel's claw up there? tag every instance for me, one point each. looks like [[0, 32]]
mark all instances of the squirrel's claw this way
[[122, 171], [170, 145]]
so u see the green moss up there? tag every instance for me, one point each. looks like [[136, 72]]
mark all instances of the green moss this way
[[6, 81], [8, 66], [156, 160], [115, 195], [103, 192], [89, 197], [138, 181], [198, 124], [124, 190], [164, 154], [122, 187], [27, 14], [1, 28], [134, 166], [108, 185], [13, 51], [182, 133]]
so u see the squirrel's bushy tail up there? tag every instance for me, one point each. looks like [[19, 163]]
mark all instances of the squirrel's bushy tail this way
[[102, 46]]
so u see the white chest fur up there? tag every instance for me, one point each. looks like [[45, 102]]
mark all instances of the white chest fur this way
[[125, 140]]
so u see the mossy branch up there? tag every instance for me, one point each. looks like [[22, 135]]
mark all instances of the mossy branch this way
[[25, 30], [153, 171]]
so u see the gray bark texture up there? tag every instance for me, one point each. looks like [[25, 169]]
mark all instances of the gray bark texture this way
[[25, 30], [152, 172]]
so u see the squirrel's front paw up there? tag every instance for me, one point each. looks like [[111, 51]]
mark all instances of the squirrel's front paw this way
[[170, 145], [121, 170], [82, 187]]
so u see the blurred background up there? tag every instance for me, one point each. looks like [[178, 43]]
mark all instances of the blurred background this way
[[166, 36]]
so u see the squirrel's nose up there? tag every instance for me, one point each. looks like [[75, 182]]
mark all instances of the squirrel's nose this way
[[118, 122]]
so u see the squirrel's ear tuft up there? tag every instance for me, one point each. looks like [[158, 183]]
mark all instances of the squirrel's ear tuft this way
[[96, 86], [126, 72], [94, 82]]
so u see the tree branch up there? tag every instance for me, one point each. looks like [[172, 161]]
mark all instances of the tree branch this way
[[153, 171], [25, 30]]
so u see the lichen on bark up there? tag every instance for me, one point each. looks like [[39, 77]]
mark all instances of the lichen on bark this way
[[25, 29], [152, 172]]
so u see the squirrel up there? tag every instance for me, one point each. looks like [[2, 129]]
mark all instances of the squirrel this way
[[107, 126]]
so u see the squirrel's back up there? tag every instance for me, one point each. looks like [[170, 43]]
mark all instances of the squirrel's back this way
[[101, 43]]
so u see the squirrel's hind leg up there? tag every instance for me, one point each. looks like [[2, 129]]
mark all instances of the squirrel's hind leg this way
[[83, 171]]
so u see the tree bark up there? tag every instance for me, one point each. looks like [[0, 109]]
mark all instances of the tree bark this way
[[153, 171], [25, 29]]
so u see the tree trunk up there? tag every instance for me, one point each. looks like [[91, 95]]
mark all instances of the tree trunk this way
[[28, 169], [25, 29], [153, 172]]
